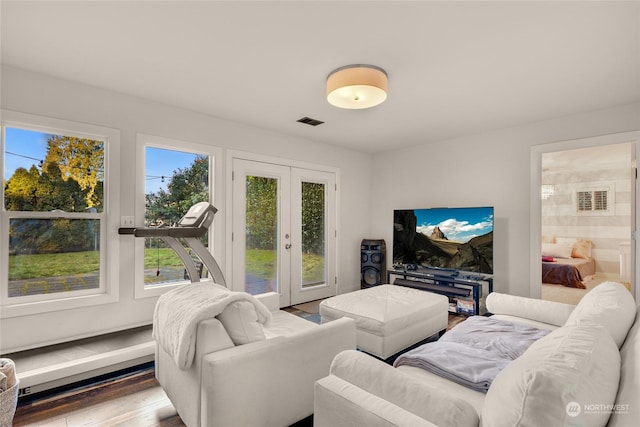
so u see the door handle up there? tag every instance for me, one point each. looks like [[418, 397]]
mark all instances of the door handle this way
[[287, 246]]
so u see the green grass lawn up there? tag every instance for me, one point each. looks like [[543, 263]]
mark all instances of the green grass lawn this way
[[165, 257], [260, 263], [22, 267]]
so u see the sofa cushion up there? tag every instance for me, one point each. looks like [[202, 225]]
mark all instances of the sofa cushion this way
[[240, 319], [627, 411], [557, 381], [403, 390], [609, 304], [340, 403], [548, 312]]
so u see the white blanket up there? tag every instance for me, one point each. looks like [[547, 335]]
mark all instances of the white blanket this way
[[178, 312], [7, 374], [474, 351]]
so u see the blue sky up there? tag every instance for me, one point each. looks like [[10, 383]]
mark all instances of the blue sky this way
[[161, 162], [457, 224], [24, 148]]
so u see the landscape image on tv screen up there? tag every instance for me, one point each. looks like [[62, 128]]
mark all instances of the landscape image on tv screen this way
[[457, 238]]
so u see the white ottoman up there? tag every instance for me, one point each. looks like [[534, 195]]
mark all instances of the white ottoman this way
[[389, 318]]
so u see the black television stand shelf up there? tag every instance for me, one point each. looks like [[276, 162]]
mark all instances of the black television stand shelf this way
[[452, 283]]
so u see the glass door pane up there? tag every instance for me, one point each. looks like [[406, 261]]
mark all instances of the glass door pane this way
[[313, 234], [261, 229], [261, 234], [313, 200]]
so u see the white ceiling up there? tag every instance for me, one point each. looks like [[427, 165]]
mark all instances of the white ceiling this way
[[455, 68]]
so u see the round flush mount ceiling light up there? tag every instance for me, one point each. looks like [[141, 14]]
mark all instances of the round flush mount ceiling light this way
[[357, 86]]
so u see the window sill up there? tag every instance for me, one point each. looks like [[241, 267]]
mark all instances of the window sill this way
[[31, 308]]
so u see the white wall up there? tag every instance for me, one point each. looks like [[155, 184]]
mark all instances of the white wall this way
[[488, 169], [42, 95], [491, 169]]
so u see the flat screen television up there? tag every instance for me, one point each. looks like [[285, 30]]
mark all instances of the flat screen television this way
[[455, 238]]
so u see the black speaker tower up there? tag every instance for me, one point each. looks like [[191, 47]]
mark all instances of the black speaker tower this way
[[373, 262]]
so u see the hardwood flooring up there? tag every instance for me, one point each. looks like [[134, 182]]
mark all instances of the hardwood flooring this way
[[133, 400]]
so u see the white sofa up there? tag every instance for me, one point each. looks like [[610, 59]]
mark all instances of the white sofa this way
[[585, 372], [265, 382]]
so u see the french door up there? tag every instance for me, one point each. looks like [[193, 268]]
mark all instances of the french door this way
[[284, 231]]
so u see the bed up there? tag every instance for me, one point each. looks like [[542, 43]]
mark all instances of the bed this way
[[567, 262]]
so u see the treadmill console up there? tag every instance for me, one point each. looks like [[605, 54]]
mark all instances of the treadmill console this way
[[198, 215]]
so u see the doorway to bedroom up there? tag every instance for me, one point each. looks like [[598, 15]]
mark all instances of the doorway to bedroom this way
[[586, 219]]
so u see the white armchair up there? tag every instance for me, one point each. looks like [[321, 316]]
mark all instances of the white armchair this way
[[269, 382]]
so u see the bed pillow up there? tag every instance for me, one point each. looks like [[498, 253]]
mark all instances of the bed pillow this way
[[609, 304], [555, 380], [582, 249], [570, 241], [240, 320], [556, 250]]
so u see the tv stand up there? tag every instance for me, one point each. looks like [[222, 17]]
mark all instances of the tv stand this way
[[456, 284]]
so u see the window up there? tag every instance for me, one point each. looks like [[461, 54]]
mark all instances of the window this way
[[594, 201], [177, 175], [54, 220]]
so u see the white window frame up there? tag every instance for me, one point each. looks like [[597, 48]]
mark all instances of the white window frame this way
[[108, 291], [216, 230], [592, 188]]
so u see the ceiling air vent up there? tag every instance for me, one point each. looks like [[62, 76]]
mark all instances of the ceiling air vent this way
[[309, 121]]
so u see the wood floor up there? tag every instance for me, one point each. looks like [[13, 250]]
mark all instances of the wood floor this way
[[134, 400]]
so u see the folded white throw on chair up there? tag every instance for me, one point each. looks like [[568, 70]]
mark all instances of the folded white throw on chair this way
[[178, 312]]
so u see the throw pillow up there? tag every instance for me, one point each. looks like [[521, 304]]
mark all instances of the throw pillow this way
[[564, 378], [241, 322], [609, 304], [582, 249]]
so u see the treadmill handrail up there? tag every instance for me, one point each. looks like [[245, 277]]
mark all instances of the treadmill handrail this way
[[198, 218], [169, 231]]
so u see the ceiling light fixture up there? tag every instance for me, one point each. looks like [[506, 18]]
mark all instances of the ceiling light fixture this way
[[357, 86]]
